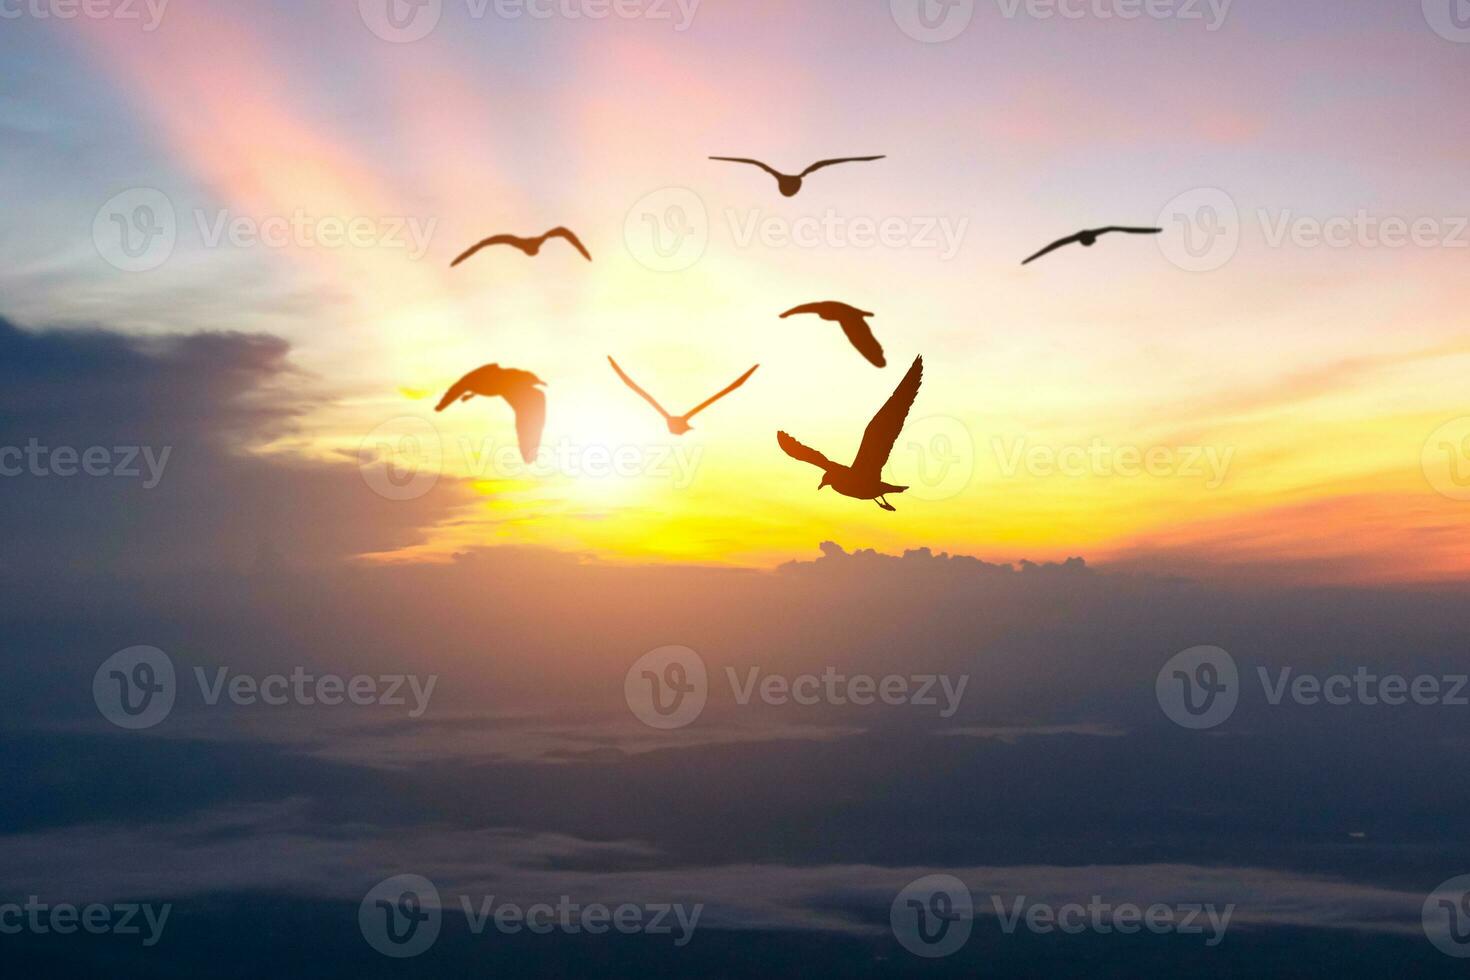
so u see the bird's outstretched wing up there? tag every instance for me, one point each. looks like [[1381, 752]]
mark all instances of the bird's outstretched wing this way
[[862, 338], [463, 387], [805, 454], [832, 163], [1059, 243], [820, 309], [530, 406], [753, 163], [883, 431], [1130, 231], [706, 404], [634, 385], [519, 243], [571, 237]]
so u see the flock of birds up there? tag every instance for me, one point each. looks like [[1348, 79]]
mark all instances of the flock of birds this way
[[862, 480]]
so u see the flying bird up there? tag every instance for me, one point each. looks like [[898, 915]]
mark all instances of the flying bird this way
[[863, 480], [678, 425], [854, 323], [531, 246], [1089, 238], [791, 186], [520, 388]]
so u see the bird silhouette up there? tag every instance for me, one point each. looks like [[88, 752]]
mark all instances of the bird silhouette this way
[[1089, 238], [854, 323], [679, 424], [520, 388], [863, 480], [531, 246], [791, 186]]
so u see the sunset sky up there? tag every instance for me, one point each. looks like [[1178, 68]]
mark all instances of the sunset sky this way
[[1306, 403]]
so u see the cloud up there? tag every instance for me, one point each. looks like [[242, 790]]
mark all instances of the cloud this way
[[180, 476], [281, 848]]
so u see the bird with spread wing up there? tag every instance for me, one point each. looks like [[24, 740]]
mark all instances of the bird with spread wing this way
[[521, 389], [863, 480], [679, 424], [854, 323], [791, 185], [1089, 237], [531, 246]]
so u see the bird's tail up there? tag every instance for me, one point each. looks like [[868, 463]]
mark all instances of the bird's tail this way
[[890, 488]]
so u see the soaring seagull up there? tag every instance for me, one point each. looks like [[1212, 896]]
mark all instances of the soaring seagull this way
[[854, 323], [791, 186], [531, 246], [863, 480], [679, 424], [1089, 238], [520, 388]]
